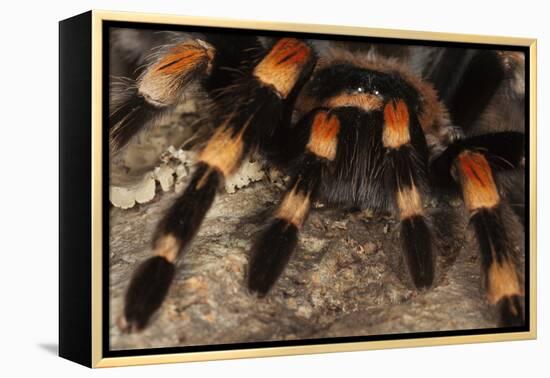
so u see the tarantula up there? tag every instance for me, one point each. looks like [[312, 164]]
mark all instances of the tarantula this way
[[355, 125]]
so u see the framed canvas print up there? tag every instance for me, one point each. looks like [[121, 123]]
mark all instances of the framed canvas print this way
[[235, 189]]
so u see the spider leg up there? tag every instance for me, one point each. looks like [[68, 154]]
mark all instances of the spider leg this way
[[472, 163], [274, 247], [484, 205], [255, 109], [406, 170], [151, 281]]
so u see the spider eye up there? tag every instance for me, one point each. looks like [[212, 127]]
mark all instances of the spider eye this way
[[376, 92], [360, 89]]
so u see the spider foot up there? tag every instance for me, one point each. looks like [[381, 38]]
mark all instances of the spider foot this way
[[146, 293], [511, 311], [270, 255], [417, 245]]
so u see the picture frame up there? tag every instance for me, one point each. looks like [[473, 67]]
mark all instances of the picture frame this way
[[87, 326]]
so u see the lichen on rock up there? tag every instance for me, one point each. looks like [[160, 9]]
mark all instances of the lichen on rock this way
[[141, 192], [249, 172]]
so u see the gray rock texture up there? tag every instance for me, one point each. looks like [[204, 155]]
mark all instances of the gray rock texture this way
[[346, 278]]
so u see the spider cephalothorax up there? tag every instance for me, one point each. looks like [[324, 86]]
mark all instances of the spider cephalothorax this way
[[352, 124]]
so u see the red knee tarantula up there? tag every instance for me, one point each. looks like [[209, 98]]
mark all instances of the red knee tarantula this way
[[364, 125]]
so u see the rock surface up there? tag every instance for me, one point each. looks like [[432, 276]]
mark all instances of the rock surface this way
[[346, 278]]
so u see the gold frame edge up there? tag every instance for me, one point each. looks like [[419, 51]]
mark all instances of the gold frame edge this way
[[98, 16], [533, 187]]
